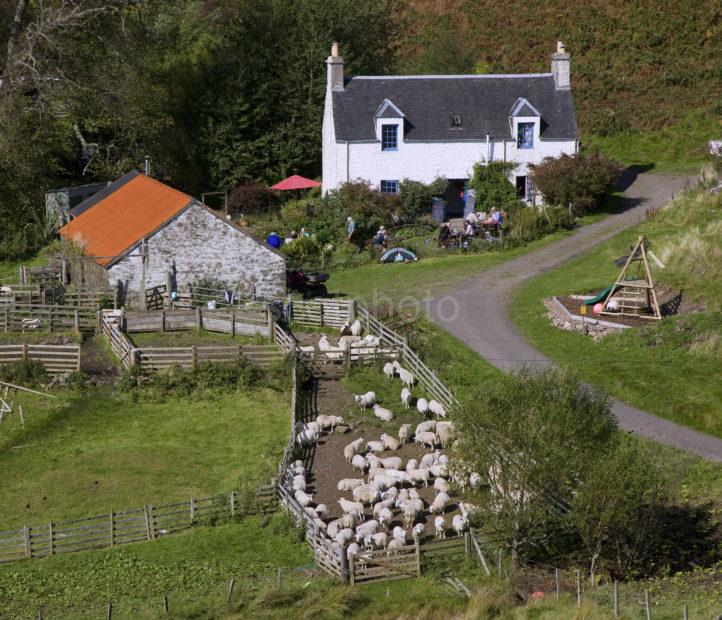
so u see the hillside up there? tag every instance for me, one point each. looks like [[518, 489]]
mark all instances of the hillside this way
[[636, 67]]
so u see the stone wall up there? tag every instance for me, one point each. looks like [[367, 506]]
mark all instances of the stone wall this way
[[200, 245], [590, 327]]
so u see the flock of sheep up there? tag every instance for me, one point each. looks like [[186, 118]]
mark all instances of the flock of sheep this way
[[386, 484]]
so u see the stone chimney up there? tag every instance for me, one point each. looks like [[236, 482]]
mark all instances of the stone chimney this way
[[335, 69], [560, 67]]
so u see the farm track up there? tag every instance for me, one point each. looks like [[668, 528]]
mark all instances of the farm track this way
[[477, 312]]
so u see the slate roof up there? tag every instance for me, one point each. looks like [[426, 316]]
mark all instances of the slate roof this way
[[429, 102]]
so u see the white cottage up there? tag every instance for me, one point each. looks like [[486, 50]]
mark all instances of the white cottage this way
[[383, 129]]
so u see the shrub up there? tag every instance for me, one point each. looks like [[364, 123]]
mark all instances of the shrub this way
[[492, 186], [251, 198], [417, 198], [528, 224], [584, 181], [25, 373], [304, 252]]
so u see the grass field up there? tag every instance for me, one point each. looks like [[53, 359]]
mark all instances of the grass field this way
[[35, 337], [672, 368], [90, 452], [186, 338]]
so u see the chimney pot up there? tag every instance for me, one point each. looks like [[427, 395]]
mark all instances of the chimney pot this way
[[335, 69], [334, 49], [146, 166], [561, 48]]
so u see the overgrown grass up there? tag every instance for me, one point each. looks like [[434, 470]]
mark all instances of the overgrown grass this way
[[198, 337], [93, 451], [36, 337], [672, 368]]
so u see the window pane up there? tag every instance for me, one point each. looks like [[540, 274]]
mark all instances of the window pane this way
[[525, 136], [389, 137], [389, 187]]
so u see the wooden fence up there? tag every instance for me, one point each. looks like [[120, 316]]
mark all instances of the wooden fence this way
[[231, 322], [55, 358], [159, 358], [21, 318], [40, 296], [119, 528], [323, 312], [119, 343]]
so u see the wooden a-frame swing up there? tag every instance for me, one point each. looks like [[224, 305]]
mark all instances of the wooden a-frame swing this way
[[636, 294]]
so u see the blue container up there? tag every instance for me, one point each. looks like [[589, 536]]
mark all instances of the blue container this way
[[438, 211]]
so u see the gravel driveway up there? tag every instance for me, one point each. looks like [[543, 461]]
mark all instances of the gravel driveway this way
[[482, 320]]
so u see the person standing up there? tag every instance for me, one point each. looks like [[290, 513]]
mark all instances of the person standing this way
[[350, 229]]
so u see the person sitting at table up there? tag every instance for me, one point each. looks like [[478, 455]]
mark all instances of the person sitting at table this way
[[444, 234], [380, 238], [493, 220], [469, 230]]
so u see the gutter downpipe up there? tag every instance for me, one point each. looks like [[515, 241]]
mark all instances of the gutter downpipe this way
[[348, 163], [488, 154]]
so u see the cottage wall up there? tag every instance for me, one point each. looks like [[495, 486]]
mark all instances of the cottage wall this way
[[198, 245]]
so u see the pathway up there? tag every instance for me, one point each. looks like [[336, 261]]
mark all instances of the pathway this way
[[482, 320]]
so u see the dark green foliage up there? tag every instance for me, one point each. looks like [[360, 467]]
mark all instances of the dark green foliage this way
[[27, 373], [527, 224], [492, 185], [582, 181], [251, 198], [417, 198]]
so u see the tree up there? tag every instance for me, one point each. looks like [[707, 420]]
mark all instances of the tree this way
[[417, 198], [534, 433], [582, 181], [615, 506], [492, 186]]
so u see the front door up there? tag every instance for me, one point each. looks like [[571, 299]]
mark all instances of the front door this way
[[521, 188]]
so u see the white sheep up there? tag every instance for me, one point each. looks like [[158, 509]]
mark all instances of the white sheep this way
[[459, 524], [306, 436], [406, 377], [382, 414], [467, 509], [423, 427], [349, 484], [427, 439], [347, 520], [385, 516], [392, 462], [365, 400], [422, 406], [356, 328], [445, 431], [345, 341], [299, 483], [365, 494], [298, 470], [438, 470], [406, 397], [352, 449], [441, 485], [381, 482], [474, 480], [384, 503], [303, 498], [402, 498], [343, 537], [322, 511], [417, 531], [359, 462], [444, 460], [390, 442], [389, 370], [391, 493], [298, 463], [352, 550], [332, 528], [437, 409], [366, 530], [352, 508], [439, 503], [399, 533], [380, 540], [410, 514], [440, 527], [320, 524], [420, 475], [375, 446], [394, 544], [329, 421], [412, 464], [404, 433], [372, 341]]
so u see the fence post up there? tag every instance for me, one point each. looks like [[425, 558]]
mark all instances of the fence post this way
[[25, 351], [51, 539], [579, 587], [194, 356], [27, 542], [685, 612], [199, 320], [76, 321], [352, 310], [347, 359], [647, 609], [7, 319], [193, 510], [556, 580], [616, 599], [233, 503], [109, 613], [352, 569], [50, 319], [149, 524], [233, 323], [162, 320], [112, 528], [269, 322], [418, 557], [231, 585], [499, 560]]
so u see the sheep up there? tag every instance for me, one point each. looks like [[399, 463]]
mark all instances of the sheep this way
[[385, 516], [404, 433], [402, 498], [352, 508], [399, 477], [407, 378], [345, 341], [438, 471], [417, 531], [333, 528], [406, 397], [349, 484], [445, 431], [310, 512], [359, 462], [303, 498], [440, 527], [322, 511], [352, 550], [422, 406], [474, 480], [298, 463], [366, 530], [299, 483], [439, 503], [414, 494], [356, 328], [365, 400], [420, 475], [399, 533], [441, 486], [443, 460], [390, 442], [328, 421], [428, 439], [410, 514], [412, 464], [352, 449], [306, 436], [347, 520], [427, 461], [372, 341], [394, 544], [392, 462], [422, 427], [375, 446], [298, 470], [386, 503], [313, 425], [467, 509], [383, 414], [459, 524], [330, 352], [391, 493], [380, 540], [437, 409], [320, 524], [389, 370], [343, 537], [381, 482], [365, 494]]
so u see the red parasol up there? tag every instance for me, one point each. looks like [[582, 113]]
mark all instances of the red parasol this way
[[295, 182]]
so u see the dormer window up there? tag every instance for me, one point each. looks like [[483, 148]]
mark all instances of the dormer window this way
[[525, 136], [389, 137], [456, 121]]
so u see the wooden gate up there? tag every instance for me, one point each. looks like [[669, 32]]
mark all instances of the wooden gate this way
[[385, 565]]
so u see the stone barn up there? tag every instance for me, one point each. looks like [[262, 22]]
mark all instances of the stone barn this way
[[139, 230]]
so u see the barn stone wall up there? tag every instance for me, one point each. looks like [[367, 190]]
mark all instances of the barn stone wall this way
[[199, 245]]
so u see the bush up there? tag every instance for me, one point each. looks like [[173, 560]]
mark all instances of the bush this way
[[27, 373], [417, 198], [304, 252], [492, 186], [584, 181], [528, 224], [251, 198]]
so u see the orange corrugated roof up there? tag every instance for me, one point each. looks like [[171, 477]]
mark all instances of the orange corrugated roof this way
[[121, 219]]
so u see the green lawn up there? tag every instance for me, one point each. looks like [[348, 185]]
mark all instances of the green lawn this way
[[35, 337], [186, 338], [88, 453]]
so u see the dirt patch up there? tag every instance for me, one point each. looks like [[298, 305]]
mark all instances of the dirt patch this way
[[329, 465], [96, 361]]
